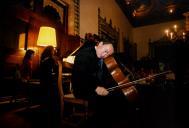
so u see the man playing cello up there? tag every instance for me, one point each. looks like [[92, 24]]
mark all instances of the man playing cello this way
[[90, 81]]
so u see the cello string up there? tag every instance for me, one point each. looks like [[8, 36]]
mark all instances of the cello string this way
[[136, 81]]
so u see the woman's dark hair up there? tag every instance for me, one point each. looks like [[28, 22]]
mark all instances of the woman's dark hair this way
[[48, 52], [28, 55]]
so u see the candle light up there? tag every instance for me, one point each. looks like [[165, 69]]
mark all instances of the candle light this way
[[183, 35], [171, 35], [167, 32], [175, 27]]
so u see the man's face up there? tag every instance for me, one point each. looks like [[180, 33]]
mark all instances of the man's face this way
[[104, 51]]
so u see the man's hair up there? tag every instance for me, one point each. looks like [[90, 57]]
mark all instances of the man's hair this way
[[107, 42]]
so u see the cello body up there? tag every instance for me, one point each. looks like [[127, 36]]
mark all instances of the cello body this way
[[129, 91]]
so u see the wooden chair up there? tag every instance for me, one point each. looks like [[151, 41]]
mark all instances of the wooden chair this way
[[70, 99], [75, 110]]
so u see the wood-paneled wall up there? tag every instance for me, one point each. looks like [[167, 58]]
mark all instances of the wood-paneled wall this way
[[34, 19]]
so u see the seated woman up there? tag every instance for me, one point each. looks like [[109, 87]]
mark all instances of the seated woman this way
[[26, 67]]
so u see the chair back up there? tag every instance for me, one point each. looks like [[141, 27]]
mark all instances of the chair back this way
[[60, 88]]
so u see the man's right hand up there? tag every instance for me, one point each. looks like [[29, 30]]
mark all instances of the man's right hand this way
[[101, 91]]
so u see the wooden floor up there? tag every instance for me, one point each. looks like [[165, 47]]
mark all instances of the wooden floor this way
[[158, 108]]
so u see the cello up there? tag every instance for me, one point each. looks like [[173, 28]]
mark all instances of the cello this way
[[126, 86], [117, 74]]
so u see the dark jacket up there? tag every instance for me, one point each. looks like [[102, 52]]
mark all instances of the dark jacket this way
[[84, 73], [85, 79]]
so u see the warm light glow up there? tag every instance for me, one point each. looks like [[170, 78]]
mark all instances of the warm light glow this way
[[175, 27], [22, 37], [134, 13], [183, 35], [128, 2], [47, 36], [167, 32], [171, 35], [171, 11]]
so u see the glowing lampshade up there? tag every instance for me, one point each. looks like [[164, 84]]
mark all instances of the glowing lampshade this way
[[47, 36]]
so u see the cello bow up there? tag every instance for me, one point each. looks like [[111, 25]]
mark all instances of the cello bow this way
[[131, 83]]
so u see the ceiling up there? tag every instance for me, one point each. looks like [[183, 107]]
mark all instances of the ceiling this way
[[147, 12]]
